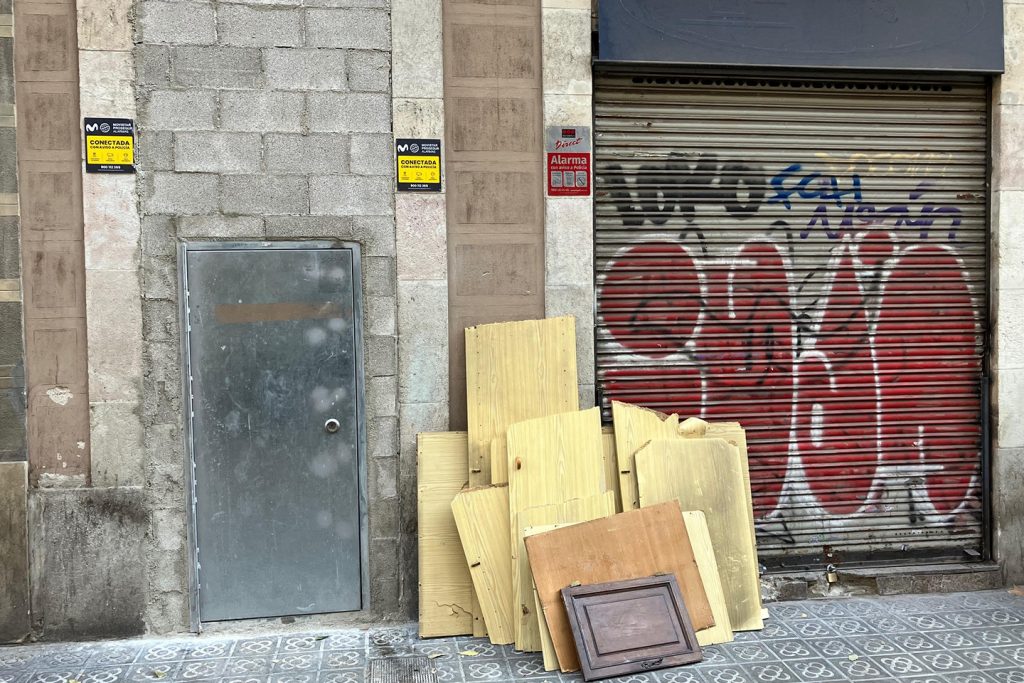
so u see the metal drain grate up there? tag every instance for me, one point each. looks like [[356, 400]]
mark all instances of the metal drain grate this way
[[401, 670]]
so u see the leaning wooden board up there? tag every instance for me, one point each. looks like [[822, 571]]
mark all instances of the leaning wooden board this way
[[634, 427], [515, 371], [551, 460], [704, 553], [707, 475], [630, 545], [446, 588], [481, 515], [528, 636]]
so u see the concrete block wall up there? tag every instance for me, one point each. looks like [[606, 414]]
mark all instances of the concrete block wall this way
[[1007, 303], [264, 120]]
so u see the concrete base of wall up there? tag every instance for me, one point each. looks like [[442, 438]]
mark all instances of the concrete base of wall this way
[[88, 562], [15, 623], [941, 578]]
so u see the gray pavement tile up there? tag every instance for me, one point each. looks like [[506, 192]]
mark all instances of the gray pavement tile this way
[[1013, 675]]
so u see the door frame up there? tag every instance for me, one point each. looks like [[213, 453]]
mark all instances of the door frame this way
[[192, 547]]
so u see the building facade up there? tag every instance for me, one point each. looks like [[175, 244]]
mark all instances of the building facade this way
[[802, 239]]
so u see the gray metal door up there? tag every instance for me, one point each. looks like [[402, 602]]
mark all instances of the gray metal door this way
[[276, 429]]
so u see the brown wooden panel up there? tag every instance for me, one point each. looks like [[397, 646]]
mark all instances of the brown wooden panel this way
[[627, 627], [54, 279], [629, 545], [58, 430], [52, 250], [493, 125], [487, 200], [46, 46], [54, 341], [50, 204], [501, 269]]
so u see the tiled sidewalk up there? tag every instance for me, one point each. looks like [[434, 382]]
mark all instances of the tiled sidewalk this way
[[961, 638]]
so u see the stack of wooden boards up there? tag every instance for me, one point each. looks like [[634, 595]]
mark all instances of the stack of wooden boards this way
[[536, 496]]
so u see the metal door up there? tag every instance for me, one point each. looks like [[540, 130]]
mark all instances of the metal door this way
[[275, 388], [807, 256]]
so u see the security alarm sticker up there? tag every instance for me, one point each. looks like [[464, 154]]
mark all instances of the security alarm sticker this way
[[568, 152], [418, 163], [109, 146]]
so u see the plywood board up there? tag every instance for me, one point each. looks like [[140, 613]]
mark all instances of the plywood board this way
[[446, 588], [481, 516], [528, 636], [733, 433], [551, 460], [707, 475], [629, 545], [704, 554], [515, 371], [547, 647], [611, 465], [634, 427]]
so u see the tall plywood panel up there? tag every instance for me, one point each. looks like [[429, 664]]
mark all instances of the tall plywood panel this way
[[550, 460], [493, 170], [634, 427], [517, 371], [707, 475], [52, 248], [446, 590]]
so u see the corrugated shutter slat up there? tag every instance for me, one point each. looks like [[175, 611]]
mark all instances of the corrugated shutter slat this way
[[807, 257]]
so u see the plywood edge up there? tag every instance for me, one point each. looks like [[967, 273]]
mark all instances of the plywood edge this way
[[707, 565], [445, 586]]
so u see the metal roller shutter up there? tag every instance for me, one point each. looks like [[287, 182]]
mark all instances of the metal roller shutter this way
[[807, 257]]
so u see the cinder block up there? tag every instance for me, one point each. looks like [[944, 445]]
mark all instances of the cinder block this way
[[217, 152], [382, 396], [10, 249], [349, 112], [369, 71], [14, 567], [177, 193], [153, 65], [379, 317], [306, 69], [178, 110], [158, 237], [330, 227], [349, 28], [381, 356], [176, 23], [12, 348], [415, 418], [379, 274], [159, 280], [261, 111], [258, 26], [7, 70], [88, 562], [375, 233], [316, 153], [350, 195], [372, 154], [155, 151], [264, 194], [159, 321], [382, 437], [220, 227], [216, 67]]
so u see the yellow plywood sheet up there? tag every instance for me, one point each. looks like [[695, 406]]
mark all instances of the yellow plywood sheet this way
[[446, 589], [707, 475], [634, 427], [704, 554], [551, 460], [515, 371], [481, 516], [611, 465], [528, 635]]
